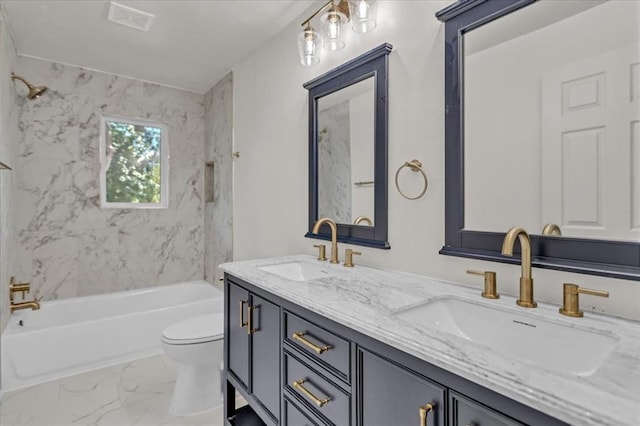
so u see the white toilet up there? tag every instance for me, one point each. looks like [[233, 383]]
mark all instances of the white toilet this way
[[195, 344]]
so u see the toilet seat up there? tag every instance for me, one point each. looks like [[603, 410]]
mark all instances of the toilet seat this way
[[200, 329]]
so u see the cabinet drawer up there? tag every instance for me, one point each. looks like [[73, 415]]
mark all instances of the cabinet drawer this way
[[293, 416], [466, 412], [312, 388], [312, 339]]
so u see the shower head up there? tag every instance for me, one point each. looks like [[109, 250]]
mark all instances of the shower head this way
[[34, 91]]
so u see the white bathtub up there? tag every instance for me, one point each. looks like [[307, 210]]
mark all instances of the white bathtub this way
[[70, 336]]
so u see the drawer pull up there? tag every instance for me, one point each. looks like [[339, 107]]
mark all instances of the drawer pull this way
[[241, 309], [423, 413], [250, 310], [319, 402], [317, 349]]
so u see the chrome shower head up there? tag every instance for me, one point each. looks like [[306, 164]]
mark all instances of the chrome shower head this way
[[34, 91]]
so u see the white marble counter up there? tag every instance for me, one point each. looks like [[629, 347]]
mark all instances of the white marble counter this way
[[366, 299]]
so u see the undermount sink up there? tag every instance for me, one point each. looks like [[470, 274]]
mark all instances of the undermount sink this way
[[298, 270], [547, 344]]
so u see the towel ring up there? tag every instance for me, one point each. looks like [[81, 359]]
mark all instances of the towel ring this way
[[416, 166]]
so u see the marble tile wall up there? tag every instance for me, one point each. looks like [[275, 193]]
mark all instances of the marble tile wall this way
[[334, 163], [8, 133], [66, 245], [218, 106]]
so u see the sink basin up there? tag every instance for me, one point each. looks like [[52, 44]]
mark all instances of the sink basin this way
[[526, 338], [298, 270]]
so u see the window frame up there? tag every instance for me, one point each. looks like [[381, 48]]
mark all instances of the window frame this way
[[164, 163]]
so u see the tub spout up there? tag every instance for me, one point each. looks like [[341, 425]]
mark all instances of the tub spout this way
[[31, 304]]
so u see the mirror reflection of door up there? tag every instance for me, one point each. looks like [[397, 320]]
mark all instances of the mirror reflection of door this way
[[551, 130], [589, 132], [346, 154]]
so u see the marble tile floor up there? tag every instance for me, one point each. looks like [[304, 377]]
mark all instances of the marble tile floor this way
[[133, 393]]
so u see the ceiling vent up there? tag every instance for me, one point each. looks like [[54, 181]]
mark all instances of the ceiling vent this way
[[130, 17]]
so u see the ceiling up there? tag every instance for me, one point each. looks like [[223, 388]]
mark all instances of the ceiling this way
[[191, 44]]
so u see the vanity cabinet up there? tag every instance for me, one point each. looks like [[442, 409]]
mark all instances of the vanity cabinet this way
[[464, 412], [393, 395], [298, 368], [253, 348]]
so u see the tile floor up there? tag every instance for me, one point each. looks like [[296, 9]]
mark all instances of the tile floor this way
[[133, 393]]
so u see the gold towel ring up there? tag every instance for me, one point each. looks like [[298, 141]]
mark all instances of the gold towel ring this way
[[416, 166]]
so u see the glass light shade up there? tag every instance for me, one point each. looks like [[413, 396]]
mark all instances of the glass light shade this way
[[363, 15], [309, 47], [332, 22]]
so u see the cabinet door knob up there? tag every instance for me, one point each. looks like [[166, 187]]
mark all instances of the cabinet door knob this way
[[423, 413]]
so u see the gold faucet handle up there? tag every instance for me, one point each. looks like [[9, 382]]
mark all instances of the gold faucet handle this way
[[490, 283], [322, 251], [571, 302], [15, 287], [348, 257]]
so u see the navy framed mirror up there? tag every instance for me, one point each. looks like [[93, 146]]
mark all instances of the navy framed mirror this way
[[527, 141], [348, 154]]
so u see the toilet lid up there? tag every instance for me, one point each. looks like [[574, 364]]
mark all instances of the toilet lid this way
[[203, 328]]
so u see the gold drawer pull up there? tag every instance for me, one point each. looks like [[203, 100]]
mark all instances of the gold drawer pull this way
[[423, 413], [299, 336], [241, 309], [319, 402], [250, 310]]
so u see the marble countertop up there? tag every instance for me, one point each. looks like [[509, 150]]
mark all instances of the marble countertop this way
[[367, 300]]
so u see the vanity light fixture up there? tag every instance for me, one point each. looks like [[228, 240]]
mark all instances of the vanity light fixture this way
[[361, 13]]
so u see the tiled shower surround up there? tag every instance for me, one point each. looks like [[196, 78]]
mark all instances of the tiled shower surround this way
[[218, 136], [67, 245]]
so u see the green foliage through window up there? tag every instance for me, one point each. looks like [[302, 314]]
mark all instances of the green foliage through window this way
[[133, 163]]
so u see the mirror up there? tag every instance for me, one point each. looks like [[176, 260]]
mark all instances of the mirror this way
[[348, 149], [345, 154], [543, 127]]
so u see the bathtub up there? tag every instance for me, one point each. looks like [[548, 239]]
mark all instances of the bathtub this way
[[71, 336]]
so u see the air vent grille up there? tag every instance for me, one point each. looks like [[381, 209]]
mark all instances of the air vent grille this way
[[130, 17]]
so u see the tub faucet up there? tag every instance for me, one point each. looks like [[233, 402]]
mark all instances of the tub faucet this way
[[334, 236], [526, 281], [23, 288], [31, 304]]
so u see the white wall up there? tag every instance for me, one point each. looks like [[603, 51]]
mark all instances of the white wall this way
[[270, 177]]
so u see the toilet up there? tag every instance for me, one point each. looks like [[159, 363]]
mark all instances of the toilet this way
[[195, 344]]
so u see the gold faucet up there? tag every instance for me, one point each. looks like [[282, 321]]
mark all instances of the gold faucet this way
[[21, 288], [361, 219], [551, 229], [526, 281], [334, 236], [31, 304]]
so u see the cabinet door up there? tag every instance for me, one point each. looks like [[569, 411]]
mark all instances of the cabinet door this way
[[391, 395], [464, 411], [237, 334], [265, 360]]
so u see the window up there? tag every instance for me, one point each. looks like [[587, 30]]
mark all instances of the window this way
[[134, 159]]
